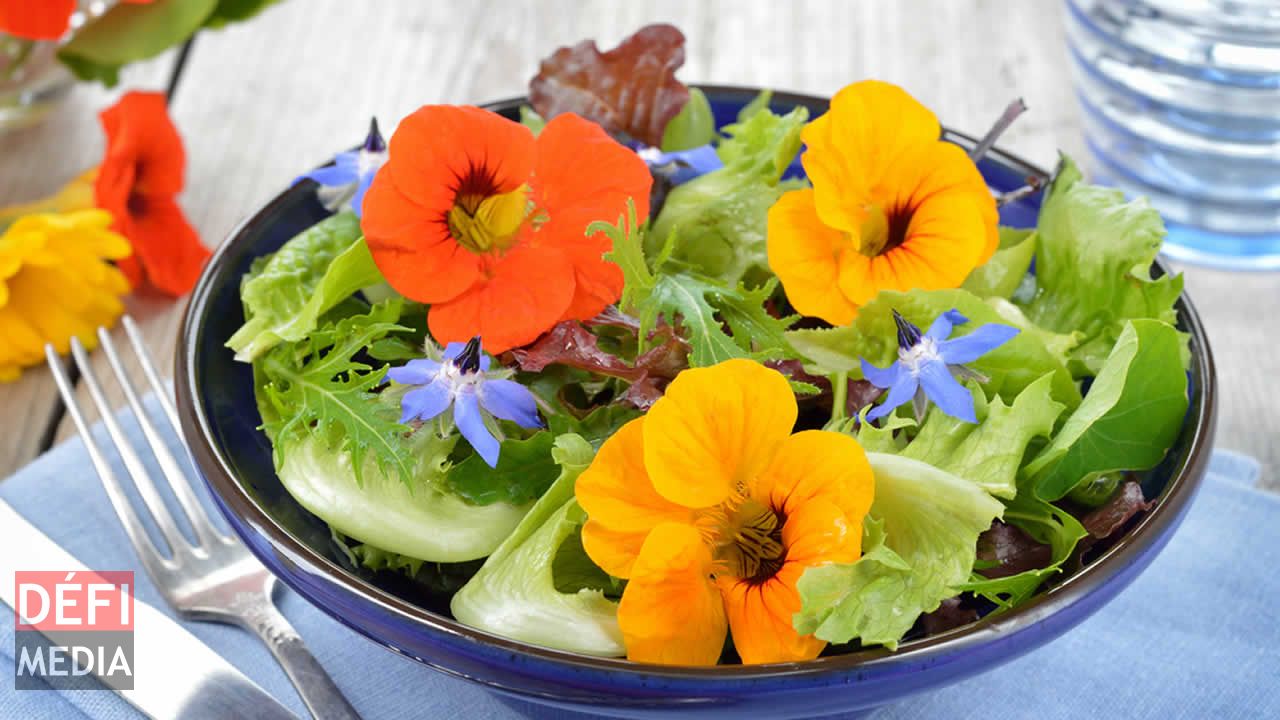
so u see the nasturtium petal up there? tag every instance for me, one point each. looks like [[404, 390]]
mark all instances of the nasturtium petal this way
[[804, 254], [817, 464], [671, 612], [715, 429], [760, 620], [621, 504]]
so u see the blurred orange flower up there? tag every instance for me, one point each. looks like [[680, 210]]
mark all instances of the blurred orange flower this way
[[713, 510], [36, 19], [140, 177], [892, 207], [487, 224]]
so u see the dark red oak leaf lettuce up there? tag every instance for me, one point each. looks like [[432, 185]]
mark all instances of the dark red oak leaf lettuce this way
[[1010, 551], [571, 344], [630, 90], [1123, 505]]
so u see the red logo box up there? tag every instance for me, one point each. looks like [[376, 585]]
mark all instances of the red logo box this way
[[80, 600]]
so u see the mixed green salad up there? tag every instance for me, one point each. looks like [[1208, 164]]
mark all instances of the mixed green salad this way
[[618, 381]]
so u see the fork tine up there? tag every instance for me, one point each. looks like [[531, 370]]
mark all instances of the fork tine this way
[[178, 481], [147, 552], [141, 478], [158, 385]]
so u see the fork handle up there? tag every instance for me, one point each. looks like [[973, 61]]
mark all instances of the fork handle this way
[[317, 690]]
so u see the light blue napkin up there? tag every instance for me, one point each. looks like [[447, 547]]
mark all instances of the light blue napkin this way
[[1196, 636]]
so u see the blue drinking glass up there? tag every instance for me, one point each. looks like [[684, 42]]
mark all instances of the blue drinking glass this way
[[1181, 103]]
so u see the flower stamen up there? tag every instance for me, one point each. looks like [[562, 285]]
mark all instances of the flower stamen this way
[[749, 544], [486, 223]]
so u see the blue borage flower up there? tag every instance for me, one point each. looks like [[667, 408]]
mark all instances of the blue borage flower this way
[[459, 381], [351, 173], [683, 165], [928, 366]]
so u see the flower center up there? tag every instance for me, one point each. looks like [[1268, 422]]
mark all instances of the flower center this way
[[883, 231], [917, 356], [749, 544], [485, 223]]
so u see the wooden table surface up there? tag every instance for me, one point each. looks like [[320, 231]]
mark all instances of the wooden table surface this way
[[261, 101]]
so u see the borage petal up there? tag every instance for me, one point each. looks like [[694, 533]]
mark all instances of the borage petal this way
[[510, 401], [946, 392], [943, 324], [426, 402], [415, 372], [967, 348], [671, 612], [466, 415], [900, 393]]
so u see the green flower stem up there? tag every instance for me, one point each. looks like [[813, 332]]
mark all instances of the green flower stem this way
[[840, 394]]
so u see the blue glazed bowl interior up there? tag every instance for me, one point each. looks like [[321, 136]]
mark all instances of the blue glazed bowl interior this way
[[220, 421]]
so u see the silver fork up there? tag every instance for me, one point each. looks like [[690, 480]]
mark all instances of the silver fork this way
[[215, 578]]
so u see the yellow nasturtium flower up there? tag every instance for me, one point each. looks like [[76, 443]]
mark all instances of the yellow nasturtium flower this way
[[713, 509], [892, 207], [57, 282]]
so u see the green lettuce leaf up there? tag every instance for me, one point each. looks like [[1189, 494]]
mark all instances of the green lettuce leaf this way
[[531, 119], [1093, 262], [1011, 368], [1045, 523], [919, 545], [1004, 272], [315, 388], [701, 303], [525, 470], [1128, 420], [989, 453], [416, 520], [694, 126], [515, 593], [310, 274], [130, 32], [719, 218]]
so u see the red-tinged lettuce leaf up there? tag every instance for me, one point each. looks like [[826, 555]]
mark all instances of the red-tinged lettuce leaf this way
[[952, 613], [1127, 502], [572, 345], [1008, 550], [631, 89]]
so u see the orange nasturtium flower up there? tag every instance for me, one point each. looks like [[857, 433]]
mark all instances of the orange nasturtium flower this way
[[140, 177], [475, 216], [713, 510], [36, 19], [892, 207]]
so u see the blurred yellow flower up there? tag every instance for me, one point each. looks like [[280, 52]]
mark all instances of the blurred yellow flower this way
[[56, 282], [75, 195]]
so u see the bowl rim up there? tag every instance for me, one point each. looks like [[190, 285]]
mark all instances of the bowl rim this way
[[1169, 506]]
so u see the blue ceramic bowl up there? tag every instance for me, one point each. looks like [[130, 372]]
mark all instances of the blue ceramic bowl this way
[[219, 418]]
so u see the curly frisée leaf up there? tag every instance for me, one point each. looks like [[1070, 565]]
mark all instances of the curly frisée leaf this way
[[310, 274], [314, 387], [701, 305], [515, 593], [922, 532], [631, 89]]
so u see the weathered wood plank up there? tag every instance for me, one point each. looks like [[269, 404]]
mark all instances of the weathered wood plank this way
[[36, 162], [264, 100]]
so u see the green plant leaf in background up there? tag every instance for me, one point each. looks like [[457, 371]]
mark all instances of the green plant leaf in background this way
[[1001, 275], [1093, 263], [129, 32], [1129, 418], [515, 593], [693, 127], [229, 11], [310, 274], [919, 545]]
